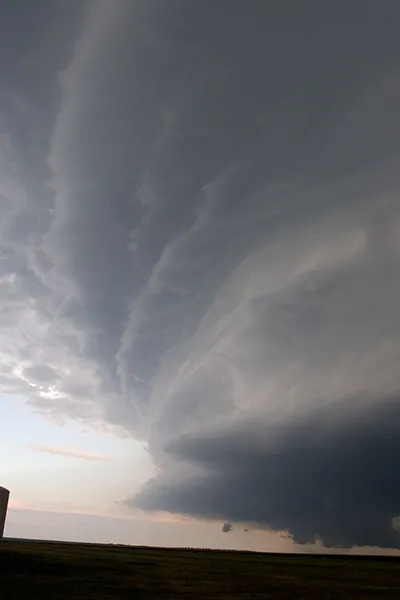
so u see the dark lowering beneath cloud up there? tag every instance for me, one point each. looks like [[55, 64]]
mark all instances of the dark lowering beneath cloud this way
[[200, 237]]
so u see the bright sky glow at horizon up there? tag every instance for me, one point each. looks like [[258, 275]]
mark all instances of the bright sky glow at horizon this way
[[200, 272], [66, 467]]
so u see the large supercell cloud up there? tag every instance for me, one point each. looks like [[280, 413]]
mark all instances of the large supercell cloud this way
[[200, 246]]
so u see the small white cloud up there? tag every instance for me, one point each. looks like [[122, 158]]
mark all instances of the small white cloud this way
[[78, 454]]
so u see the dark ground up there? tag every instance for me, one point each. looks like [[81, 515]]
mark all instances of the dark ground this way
[[49, 570]]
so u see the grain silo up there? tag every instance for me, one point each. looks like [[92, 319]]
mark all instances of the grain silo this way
[[4, 494]]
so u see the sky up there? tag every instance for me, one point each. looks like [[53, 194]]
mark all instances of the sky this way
[[200, 272]]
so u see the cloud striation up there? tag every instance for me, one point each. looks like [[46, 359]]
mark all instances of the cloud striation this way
[[199, 244]]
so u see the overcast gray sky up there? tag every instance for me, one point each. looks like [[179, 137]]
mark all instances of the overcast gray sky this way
[[200, 256]]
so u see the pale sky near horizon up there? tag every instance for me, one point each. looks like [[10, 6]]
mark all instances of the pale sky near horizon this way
[[200, 272], [80, 497]]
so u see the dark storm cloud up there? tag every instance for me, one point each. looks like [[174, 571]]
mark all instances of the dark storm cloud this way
[[200, 243], [39, 347], [329, 475], [227, 527]]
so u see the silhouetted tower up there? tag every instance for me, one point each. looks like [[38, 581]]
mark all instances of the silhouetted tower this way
[[4, 495]]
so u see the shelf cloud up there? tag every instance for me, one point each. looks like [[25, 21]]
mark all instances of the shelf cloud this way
[[200, 248]]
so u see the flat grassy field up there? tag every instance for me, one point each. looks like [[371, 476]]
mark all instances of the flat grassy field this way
[[50, 570]]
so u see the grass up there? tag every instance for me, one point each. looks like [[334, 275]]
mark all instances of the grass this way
[[52, 570]]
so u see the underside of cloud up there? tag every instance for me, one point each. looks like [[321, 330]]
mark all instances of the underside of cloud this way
[[329, 476], [199, 247]]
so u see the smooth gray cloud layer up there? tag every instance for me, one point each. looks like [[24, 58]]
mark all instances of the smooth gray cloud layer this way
[[200, 235]]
